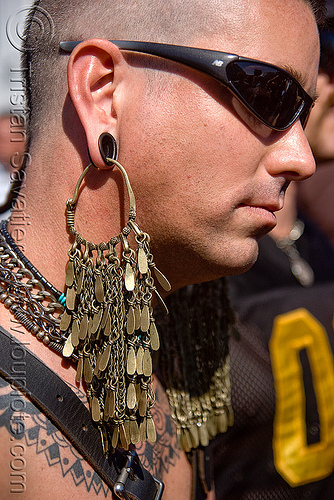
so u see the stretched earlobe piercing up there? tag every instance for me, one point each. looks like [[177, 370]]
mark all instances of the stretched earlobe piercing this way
[[108, 147]]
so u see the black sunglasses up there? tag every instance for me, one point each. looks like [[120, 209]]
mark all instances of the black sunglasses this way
[[269, 92]]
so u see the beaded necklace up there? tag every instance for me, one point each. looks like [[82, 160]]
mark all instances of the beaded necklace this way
[[34, 302]]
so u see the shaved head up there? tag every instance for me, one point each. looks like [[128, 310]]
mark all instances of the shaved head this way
[[51, 21]]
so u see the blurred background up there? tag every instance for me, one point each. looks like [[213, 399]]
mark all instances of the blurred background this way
[[12, 14]]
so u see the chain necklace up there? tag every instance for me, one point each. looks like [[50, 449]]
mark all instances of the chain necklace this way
[[34, 302]]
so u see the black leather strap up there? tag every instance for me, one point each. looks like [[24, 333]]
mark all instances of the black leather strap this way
[[65, 410]]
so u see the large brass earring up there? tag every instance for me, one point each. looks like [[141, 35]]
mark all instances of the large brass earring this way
[[109, 323]]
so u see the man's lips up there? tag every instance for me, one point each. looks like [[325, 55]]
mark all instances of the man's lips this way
[[265, 212], [274, 206], [272, 200], [262, 204]]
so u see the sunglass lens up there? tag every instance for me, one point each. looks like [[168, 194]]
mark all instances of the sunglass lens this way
[[268, 92]]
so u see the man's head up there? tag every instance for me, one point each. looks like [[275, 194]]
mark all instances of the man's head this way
[[178, 22], [320, 129], [207, 174]]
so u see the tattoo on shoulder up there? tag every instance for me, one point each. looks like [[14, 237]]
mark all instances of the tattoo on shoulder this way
[[26, 423]]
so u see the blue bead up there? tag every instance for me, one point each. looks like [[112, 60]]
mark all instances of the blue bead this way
[[62, 299]]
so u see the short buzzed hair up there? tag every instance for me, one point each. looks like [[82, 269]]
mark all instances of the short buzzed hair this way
[[51, 21]]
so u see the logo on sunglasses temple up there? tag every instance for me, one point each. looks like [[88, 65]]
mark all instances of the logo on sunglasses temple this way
[[218, 63]]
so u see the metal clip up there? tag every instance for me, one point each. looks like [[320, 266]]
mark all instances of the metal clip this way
[[160, 488], [119, 486]]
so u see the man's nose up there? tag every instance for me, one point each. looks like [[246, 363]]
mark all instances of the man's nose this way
[[291, 156]]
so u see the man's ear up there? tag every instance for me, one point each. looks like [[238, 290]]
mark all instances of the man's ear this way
[[94, 70]]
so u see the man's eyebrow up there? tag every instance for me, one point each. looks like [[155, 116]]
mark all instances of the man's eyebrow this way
[[300, 79]]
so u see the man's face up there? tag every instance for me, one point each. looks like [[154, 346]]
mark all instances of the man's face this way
[[207, 174], [320, 127]]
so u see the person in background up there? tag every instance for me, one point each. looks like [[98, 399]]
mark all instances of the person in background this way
[[315, 197], [11, 159], [5, 156], [12, 119]]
